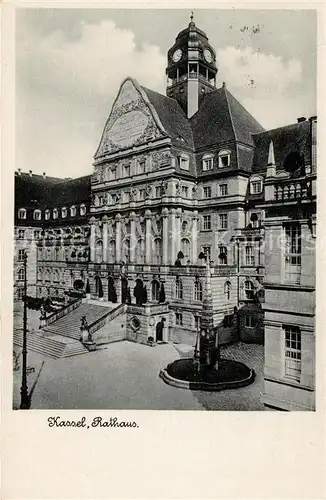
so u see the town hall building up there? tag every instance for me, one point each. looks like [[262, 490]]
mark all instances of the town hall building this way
[[179, 179]]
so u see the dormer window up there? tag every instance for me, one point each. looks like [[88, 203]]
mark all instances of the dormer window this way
[[208, 161], [73, 211], [224, 158], [256, 185], [183, 161], [22, 213], [55, 213], [64, 212], [82, 209], [37, 215], [47, 214]]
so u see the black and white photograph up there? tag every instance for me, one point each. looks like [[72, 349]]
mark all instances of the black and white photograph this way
[[164, 209]]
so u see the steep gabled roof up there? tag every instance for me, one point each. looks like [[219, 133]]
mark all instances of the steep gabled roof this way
[[295, 137], [173, 118], [221, 119]]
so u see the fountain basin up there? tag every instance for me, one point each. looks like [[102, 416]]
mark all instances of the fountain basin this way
[[231, 374]]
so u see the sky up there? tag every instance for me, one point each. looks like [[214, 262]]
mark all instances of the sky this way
[[71, 62]]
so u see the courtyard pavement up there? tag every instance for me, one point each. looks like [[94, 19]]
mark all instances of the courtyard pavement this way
[[125, 375]]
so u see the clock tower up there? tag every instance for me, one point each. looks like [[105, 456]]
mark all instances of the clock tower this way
[[191, 70]]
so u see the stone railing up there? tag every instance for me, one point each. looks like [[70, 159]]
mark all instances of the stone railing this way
[[63, 312], [111, 315], [294, 189], [148, 308]]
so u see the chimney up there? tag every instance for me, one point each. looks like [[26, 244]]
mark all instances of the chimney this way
[[44, 175], [30, 173], [301, 119]]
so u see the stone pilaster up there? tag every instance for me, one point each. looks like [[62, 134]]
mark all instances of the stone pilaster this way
[[92, 239], [105, 238], [173, 255], [178, 231], [148, 236], [118, 237], [165, 214], [133, 241], [194, 237]]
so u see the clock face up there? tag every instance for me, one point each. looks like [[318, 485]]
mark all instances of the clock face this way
[[177, 55], [208, 55]]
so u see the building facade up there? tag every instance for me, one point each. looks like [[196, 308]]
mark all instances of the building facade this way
[[176, 178]]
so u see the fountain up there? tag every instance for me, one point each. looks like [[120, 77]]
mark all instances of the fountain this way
[[206, 370]]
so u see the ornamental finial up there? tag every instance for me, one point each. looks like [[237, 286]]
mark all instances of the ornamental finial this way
[[192, 16]]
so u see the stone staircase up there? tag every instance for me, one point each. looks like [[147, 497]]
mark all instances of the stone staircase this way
[[52, 347], [69, 325]]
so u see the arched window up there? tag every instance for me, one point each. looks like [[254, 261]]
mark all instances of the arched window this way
[[140, 251], [227, 290], [21, 273], [55, 213], [73, 211], [185, 249], [111, 251], [155, 290], [22, 213], [126, 250], [64, 212], [198, 290], [99, 252], [184, 227], [224, 158], [157, 251], [249, 290], [223, 255], [178, 289], [208, 162], [82, 209], [47, 214], [37, 215]]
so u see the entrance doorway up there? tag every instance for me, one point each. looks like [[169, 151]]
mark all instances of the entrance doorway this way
[[159, 330]]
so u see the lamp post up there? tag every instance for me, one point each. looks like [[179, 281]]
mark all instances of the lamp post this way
[[25, 398]]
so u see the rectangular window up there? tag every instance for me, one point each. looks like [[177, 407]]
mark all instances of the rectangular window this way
[[256, 187], [158, 191], [223, 189], [250, 258], [127, 170], [207, 164], [250, 321], [183, 162], [21, 234], [178, 319], [293, 253], [142, 194], [292, 352], [223, 221], [141, 166], [207, 192], [185, 191], [207, 252], [207, 222], [21, 255], [197, 322], [127, 197]]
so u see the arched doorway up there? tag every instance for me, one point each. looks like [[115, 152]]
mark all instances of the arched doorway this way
[[98, 287], [139, 292], [124, 290], [159, 330]]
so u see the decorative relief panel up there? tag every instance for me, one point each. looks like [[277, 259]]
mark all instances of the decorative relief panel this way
[[131, 122], [161, 159]]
